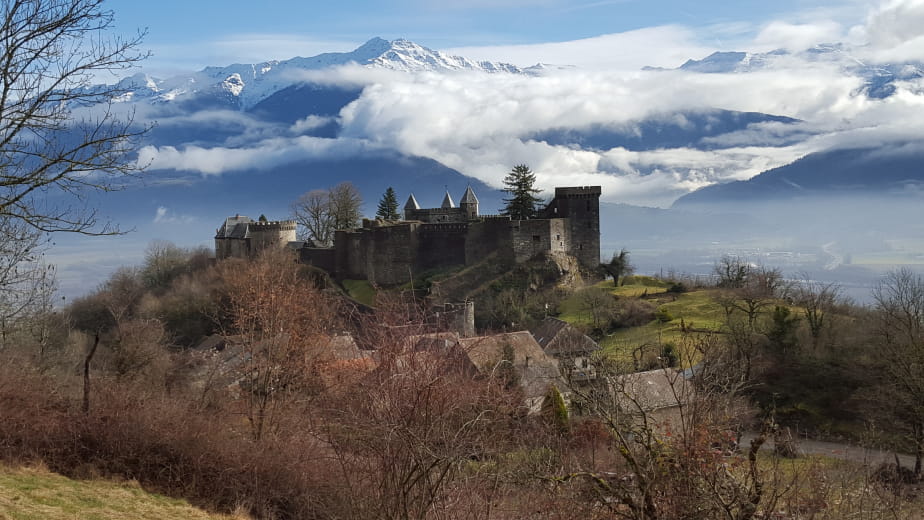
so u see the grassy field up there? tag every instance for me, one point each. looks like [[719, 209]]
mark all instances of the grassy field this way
[[361, 291], [693, 310], [37, 494]]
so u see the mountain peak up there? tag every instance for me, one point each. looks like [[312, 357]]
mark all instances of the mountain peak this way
[[250, 83], [372, 48]]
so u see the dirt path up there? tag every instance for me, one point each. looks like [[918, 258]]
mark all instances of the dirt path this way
[[841, 451]]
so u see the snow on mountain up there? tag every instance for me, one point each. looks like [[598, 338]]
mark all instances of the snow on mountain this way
[[879, 78], [251, 83]]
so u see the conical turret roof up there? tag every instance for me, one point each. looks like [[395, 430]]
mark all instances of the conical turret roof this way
[[447, 201], [411, 203], [469, 197]]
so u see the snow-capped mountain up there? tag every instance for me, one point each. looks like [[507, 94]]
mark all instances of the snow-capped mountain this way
[[879, 78], [244, 85]]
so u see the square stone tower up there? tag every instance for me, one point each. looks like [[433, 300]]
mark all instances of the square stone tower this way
[[581, 206]]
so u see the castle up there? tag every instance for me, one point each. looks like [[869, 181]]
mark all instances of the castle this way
[[392, 253], [243, 237]]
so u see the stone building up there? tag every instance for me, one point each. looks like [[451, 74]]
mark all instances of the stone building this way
[[392, 253], [242, 237]]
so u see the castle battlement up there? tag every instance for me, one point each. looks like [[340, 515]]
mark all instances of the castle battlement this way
[[578, 191], [273, 225], [242, 237], [444, 228], [390, 253]]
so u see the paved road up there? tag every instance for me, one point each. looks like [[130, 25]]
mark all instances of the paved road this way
[[840, 451]]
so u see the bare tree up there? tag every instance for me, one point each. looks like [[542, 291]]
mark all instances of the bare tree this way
[[345, 203], [283, 322], [619, 266], [900, 330], [600, 303], [321, 212], [670, 434], [49, 159], [26, 282], [312, 213], [817, 301]]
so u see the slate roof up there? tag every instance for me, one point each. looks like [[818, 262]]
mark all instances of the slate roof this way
[[557, 337], [411, 203], [469, 197], [237, 226], [537, 371], [447, 201]]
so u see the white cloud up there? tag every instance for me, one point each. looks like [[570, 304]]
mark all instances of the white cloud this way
[[264, 155], [481, 124], [894, 31], [164, 216], [664, 46], [797, 37]]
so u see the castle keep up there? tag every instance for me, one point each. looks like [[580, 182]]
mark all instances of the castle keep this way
[[391, 253], [243, 237]]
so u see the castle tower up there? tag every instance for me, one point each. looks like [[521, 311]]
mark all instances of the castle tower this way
[[410, 207], [581, 206], [447, 201], [469, 203]]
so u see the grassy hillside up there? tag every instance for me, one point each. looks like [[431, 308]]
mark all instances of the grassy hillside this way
[[37, 494], [693, 310]]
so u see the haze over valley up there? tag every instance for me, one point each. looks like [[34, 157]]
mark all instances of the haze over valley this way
[[794, 140]]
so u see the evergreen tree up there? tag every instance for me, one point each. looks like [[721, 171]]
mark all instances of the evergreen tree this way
[[388, 206], [519, 184]]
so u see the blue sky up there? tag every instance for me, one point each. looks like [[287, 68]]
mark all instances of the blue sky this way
[[191, 34]]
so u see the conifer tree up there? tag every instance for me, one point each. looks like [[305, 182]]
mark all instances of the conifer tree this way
[[519, 184], [388, 206]]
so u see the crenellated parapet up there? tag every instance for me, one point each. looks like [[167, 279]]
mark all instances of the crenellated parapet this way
[[393, 252]]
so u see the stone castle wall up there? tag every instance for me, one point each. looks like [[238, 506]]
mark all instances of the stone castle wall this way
[[438, 215], [391, 253], [581, 206], [442, 245], [264, 235], [259, 236], [533, 237], [487, 237]]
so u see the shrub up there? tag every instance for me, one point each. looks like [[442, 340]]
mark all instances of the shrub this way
[[632, 312], [663, 315]]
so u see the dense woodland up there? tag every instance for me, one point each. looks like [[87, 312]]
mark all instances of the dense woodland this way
[[114, 385]]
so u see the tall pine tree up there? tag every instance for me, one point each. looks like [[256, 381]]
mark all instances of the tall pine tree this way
[[388, 206], [519, 184]]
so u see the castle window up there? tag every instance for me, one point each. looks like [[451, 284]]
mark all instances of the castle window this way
[[537, 238], [581, 247], [557, 237]]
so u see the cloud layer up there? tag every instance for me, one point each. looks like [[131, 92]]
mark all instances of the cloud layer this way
[[482, 124]]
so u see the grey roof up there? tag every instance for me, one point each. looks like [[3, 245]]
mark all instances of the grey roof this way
[[469, 197], [234, 227], [536, 369], [447, 201], [411, 203], [557, 337]]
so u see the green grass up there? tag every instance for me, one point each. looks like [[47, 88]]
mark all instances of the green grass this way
[[696, 310], [361, 291], [37, 494]]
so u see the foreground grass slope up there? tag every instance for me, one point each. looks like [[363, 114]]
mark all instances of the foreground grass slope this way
[[37, 494]]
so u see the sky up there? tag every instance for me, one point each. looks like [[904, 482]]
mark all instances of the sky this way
[[187, 35], [480, 125]]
